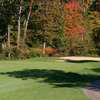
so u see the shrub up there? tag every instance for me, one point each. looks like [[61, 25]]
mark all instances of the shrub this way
[[51, 51], [56, 55], [36, 53], [2, 57], [13, 52], [16, 53], [23, 54]]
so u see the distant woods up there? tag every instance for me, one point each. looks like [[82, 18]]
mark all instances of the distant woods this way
[[69, 27]]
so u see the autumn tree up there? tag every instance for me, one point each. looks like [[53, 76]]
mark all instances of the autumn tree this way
[[75, 29]]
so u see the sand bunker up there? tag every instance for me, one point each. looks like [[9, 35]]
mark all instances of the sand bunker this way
[[72, 59]]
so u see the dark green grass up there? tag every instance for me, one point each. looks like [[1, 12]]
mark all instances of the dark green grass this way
[[46, 79]]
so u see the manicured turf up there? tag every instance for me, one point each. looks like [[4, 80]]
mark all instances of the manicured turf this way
[[46, 79]]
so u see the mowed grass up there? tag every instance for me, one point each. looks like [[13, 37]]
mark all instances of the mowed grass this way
[[46, 79]]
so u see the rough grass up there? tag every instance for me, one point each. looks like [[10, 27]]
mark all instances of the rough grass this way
[[46, 79]]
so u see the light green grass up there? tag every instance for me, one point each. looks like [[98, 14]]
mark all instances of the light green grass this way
[[46, 79]]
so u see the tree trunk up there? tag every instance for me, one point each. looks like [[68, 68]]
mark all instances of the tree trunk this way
[[9, 35], [44, 47], [9, 40], [4, 45], [19, 25], [26, 21]]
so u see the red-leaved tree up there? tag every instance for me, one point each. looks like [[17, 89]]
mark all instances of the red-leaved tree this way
[[73, 19]]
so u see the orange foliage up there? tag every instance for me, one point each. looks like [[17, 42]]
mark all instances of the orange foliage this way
[[50, 51], [73, 19]]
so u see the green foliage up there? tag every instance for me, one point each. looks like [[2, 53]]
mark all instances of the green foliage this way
[[83, 47], [36, 53], [1, 48], [63, 45], [92, 23], [76, 45], [13, 51]]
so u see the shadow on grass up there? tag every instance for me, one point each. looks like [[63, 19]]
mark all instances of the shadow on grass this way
[[96, 70], [56, 78], [80, 61]]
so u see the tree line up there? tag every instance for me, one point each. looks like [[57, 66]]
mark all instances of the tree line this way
[[71, 27]]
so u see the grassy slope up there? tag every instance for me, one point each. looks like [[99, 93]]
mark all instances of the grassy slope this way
[[45, 79]]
